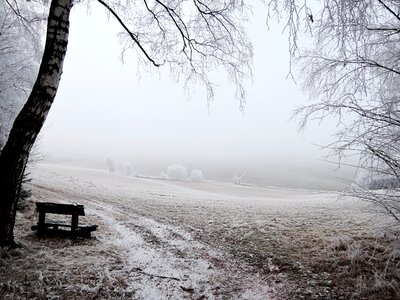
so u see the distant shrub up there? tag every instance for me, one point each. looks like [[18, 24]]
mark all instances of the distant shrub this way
[[176, 172], [196, 175], [379, 182], [384, 183], [111, 164]]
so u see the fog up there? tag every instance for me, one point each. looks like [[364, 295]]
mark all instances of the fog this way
[[106, 108]]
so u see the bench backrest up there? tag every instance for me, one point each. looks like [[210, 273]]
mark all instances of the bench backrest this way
[[60, 208]]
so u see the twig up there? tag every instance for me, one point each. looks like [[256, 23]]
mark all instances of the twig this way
[[155, 275]]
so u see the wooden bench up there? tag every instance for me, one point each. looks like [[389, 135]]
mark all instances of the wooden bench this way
[[53, 227]]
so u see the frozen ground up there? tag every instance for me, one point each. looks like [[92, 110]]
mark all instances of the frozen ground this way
[[159, 239]]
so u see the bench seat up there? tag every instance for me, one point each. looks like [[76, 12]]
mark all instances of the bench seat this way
[[51, 227]]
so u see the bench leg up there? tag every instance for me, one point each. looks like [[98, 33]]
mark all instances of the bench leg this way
[[41, 222], [74, 223]]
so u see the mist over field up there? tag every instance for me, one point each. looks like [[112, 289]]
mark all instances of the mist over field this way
[[304, 174], [115, 110]]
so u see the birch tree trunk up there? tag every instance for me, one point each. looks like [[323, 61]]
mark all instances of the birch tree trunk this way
[[28, 123]]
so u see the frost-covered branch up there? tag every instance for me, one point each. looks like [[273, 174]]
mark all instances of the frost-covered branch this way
[[351, 73], [191, 38], [20, 30]]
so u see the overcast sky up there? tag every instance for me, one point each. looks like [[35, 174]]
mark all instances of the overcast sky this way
[[105, 109]]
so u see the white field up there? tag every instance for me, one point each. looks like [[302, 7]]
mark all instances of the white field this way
[[160, 239]]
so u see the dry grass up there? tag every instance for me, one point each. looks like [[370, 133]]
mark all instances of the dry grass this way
[[312, 263], [99, 268], [330, 255], [310, 246], [58, 268], [311, 266]]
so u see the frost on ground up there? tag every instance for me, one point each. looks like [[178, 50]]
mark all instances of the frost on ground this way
[[131, 256], [196, 240]]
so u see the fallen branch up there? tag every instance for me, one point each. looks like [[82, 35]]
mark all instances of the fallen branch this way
[[155, 275]]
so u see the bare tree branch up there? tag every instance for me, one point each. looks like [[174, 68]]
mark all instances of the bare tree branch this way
[[131, 34]]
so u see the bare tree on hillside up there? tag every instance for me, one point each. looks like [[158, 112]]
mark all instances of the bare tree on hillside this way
[[190, 38]]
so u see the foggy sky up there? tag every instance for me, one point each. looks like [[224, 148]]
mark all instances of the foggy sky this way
[[104, 108]]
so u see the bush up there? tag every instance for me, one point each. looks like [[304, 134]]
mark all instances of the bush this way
[[111, 164], [23, 196], [176, 172], [379, 182], [196, 175]]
